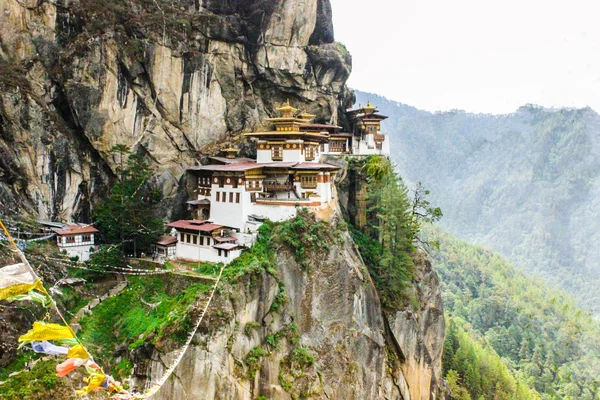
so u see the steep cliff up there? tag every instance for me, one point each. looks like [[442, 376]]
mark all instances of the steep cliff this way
[[329, 339], [167, 78]]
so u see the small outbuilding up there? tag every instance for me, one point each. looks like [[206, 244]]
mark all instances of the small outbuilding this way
[[76, 239], [164, 248]]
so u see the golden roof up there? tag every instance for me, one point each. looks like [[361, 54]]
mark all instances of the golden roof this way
[[286, 109], [369, 106]]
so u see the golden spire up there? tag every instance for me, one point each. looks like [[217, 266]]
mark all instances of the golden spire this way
[[230, 152], [369, 106], [286, 110]]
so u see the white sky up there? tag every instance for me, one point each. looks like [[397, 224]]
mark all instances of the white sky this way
[[476, 55]]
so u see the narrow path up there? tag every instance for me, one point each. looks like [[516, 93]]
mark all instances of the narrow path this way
[[92, 304]]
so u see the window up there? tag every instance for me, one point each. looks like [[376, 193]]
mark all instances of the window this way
[[70, 239], [194, 239], [253, 197], [309, 153], [221, 182], [277, 153], [218, 196], [201, 240], [86, 238], [237, 197], [308, 181], [231, 197], [219, 252]]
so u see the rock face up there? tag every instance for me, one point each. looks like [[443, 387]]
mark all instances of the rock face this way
[[336, 309], [166, 78]]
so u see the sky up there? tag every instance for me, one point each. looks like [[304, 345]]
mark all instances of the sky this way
[[474, 55]]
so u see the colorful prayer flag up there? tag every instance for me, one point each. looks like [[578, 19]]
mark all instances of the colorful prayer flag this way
[[44, 331]]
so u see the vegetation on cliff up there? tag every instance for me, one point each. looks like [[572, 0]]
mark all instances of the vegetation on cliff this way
[[540, 334], [387, 240]]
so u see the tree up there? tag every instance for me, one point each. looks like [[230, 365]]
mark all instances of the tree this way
[[422, 211], [128, 215]]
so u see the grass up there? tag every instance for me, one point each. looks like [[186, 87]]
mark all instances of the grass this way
[[306, 237], [255, 260], [17, 364], [36, 384], [125, 319]]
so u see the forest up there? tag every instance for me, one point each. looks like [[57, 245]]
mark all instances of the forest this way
[[494, 312], [526, 184]]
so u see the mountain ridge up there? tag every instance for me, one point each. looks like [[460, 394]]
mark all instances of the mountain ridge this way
[[525, 184]]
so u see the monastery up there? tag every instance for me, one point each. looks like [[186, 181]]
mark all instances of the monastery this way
[[234, 195]]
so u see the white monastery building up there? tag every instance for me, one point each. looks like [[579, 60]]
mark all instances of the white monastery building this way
[[77, 239], [204, 241], [235, 194]]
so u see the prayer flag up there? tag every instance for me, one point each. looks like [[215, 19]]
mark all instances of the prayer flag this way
[[44, 331], [94, 382], [78, 351], [48, 348], [18, 279]]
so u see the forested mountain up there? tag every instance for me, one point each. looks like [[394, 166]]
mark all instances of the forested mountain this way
[[527, 184], [494, 310]]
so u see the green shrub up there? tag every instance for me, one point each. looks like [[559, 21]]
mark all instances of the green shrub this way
[[302, 358], [253, 360]]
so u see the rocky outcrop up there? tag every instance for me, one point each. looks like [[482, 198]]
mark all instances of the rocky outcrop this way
[[358, 353], [165, 78]]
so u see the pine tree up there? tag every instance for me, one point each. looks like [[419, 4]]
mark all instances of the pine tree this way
[[127, 216]]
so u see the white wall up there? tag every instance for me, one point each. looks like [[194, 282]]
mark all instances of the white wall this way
[[83, 252], [263, 156], [203, 253], [361, 147], [226, 213], [275, 213]]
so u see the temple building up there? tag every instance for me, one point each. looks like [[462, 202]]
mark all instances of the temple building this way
[[76, 239], [198, 240], [233, 195], [367, 138], [286, 174]]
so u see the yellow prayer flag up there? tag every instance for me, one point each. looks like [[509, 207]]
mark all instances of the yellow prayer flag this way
[[44, 331], [78, 351], [18, 279], [94, 382]]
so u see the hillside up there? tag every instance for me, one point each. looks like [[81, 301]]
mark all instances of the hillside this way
[[546, 341], [526, 184], [296, 316]]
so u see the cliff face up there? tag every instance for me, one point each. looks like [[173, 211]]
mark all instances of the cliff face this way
[[165, 78], [359, 353]]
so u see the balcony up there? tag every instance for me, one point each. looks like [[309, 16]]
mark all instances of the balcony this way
[[277, 187]]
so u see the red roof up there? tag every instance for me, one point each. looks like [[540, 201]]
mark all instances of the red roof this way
[[76, 230], [166, 240], [340, 134], [241, 166], [253, 165], [225, 160], [195, 225], [312, 165]]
